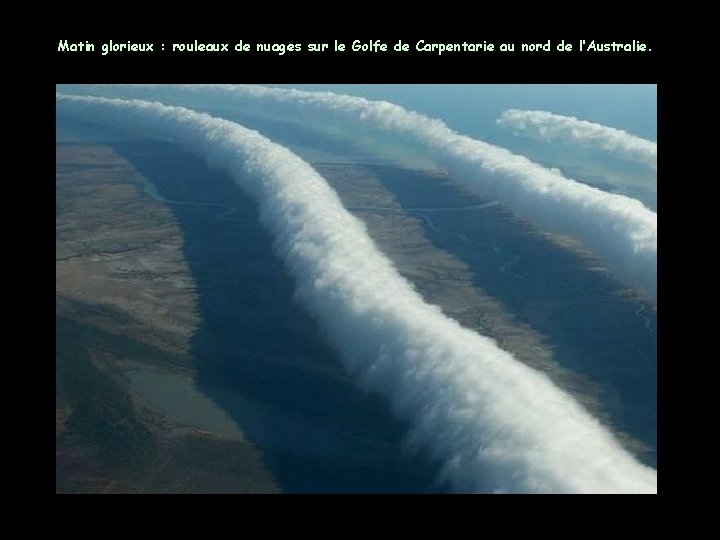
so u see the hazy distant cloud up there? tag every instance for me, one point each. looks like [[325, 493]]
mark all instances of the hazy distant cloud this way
[[494, 423], [548, 126]]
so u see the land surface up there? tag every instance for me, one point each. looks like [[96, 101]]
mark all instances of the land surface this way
[[126, 304]]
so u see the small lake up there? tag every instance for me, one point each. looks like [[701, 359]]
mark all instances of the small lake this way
[[177, 397]]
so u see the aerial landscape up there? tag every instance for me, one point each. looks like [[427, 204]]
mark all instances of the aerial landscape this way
[[356, 289]]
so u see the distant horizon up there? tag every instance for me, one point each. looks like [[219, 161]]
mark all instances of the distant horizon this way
[[631, 107]]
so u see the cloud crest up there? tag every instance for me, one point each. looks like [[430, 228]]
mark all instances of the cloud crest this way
[[547, 126], [494, 423]]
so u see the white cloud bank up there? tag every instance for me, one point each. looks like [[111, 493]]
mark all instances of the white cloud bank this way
[[495, 424], [618, 229], [547, 126]]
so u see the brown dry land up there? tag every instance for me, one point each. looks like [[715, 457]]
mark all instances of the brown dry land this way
[[125, 299]]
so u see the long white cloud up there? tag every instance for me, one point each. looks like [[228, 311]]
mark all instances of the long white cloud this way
[[548, 126], [618, 229], [494, 423]]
